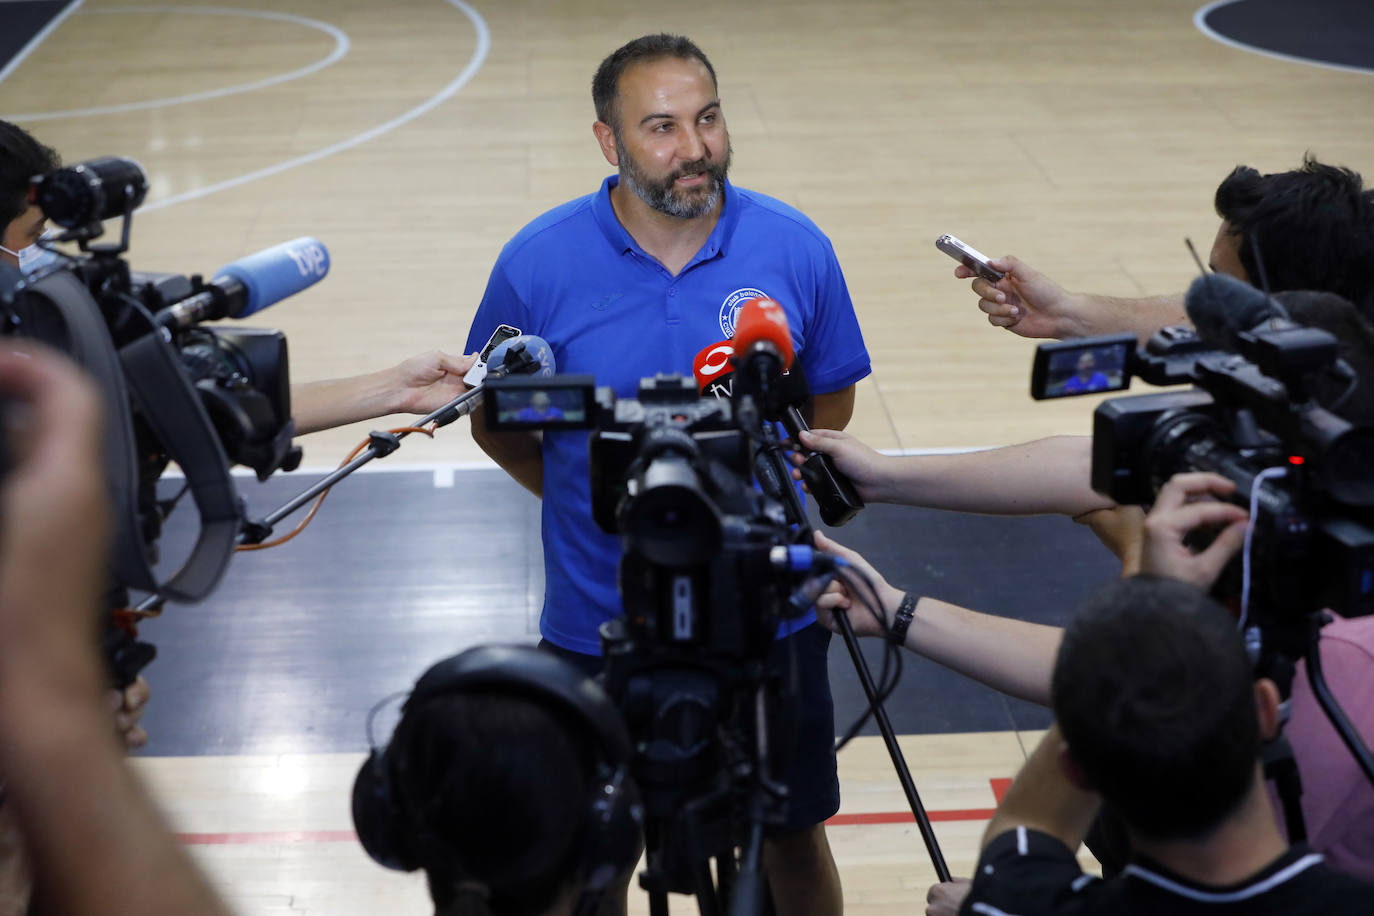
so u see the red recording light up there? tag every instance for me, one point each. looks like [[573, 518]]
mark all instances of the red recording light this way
[[1295, 459]]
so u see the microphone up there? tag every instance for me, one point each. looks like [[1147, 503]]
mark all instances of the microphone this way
[[1220, 307], [762, 334], [253, 283], [527, 354], [763, 345], [713, 370]]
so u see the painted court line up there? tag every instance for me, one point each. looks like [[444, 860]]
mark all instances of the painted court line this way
[[282, 837]]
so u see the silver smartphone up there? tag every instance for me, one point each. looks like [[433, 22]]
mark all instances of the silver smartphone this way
[[971, 258], [478, 372]]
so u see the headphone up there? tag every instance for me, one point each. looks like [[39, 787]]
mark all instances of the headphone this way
[[614, 815]]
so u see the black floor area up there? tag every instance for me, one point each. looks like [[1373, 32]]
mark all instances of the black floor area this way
[[20, 20], [1323, 31], [300, 641]]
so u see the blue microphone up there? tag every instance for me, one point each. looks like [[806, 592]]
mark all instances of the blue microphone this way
[[253, 283], [537, 349]]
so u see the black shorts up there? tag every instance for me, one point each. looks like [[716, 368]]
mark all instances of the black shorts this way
[[803, 730]]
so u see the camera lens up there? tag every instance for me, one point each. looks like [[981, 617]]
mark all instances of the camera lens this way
[[91, 191]]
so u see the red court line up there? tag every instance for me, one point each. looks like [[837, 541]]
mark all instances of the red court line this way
[[267, 838]]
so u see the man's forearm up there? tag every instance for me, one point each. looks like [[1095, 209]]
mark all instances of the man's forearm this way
[[1045, 477], [337, 402], [1141, 317], [1011, 656], [833, 410], [521, 455], [1042, 798]]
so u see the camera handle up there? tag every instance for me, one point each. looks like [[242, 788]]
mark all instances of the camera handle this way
[[1322, 692], [772, 453]]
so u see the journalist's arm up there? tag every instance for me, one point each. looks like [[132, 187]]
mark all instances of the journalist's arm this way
[[419, 385]]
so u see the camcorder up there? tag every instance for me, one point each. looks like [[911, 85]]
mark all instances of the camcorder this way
[[707, 574], [1253, 416], [174, 389]]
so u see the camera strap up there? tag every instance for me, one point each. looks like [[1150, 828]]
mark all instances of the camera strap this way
[[173, 410]]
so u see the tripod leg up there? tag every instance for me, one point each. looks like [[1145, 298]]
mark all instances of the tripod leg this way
[[918, 811]]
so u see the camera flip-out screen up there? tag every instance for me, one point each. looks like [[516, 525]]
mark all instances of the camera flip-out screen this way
[[534, 402], [1067, 368]]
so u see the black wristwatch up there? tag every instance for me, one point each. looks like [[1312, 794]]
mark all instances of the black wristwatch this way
[[902, 622]]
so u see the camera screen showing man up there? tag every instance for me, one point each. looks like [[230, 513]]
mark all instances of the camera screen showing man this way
[[541, 408]]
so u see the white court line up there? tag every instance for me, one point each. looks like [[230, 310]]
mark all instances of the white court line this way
[[341, 47], [38, 39], [1200, 22], [479, 56]]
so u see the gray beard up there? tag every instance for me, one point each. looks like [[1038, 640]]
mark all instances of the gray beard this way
[[661, 196]]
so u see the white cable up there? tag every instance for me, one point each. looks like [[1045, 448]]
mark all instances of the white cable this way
[[1276, 471]]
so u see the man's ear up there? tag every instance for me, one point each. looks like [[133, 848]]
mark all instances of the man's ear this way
[[1267, 708], [1068, 764], [605, 138]]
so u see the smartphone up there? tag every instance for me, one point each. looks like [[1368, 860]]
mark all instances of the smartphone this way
[[478, 372], [971, 258]]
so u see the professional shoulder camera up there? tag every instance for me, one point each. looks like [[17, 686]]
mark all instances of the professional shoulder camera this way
[[174, 389]]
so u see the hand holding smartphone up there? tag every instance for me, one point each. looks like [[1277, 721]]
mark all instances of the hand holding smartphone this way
[[970, 257]]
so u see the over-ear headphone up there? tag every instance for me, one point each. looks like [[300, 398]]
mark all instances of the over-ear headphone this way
[[612, 838]]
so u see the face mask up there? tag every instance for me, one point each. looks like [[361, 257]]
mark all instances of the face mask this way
[[32, 258]]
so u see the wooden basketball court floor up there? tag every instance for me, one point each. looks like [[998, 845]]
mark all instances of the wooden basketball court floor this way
[[415, 137]]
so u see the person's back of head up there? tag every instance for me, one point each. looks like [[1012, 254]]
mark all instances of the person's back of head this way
[[21, 158], [507, 781], [1313, 228], [1154, 694], [491, 786]]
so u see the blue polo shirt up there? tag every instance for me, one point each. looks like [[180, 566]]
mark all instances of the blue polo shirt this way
[[576, 278]]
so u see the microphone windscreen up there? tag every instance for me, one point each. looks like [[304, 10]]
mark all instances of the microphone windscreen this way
[[1220, 306], [276, 273], [712, 369], [535, 346], [762, 321]]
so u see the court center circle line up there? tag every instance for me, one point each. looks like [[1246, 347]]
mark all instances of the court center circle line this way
[[341, 47], [1200, 23], [479, 56]]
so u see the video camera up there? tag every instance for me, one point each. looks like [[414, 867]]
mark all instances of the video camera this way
[[1254, 416], [174, 389], [706, 577]]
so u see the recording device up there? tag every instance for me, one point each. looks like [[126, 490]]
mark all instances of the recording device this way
[[970, 257], [1252, 416], [174, 390], [478, 371], [707, 569]]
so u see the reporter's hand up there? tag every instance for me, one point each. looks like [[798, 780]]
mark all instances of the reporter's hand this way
[[1185, 503], [945, 898], [865, 467], [127, 706], [428, 381], [852, 593], [1122, 530], [1026, 302]]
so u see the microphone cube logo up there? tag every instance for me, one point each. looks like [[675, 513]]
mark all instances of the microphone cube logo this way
[[729, 309], [310, 257]]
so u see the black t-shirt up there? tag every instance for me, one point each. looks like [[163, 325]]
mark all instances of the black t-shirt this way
[[1027, 873]]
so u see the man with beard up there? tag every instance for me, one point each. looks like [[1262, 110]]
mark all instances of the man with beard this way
[[635, 280]]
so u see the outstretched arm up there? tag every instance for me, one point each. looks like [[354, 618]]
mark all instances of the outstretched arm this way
[[418, 385], [1043, 477], [1028, 303]]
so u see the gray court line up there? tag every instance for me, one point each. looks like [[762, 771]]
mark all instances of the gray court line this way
[[38, 39], [1199, 21], [341, 47], [474, 64]]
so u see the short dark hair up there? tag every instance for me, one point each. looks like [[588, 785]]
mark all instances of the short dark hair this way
[[1313, 227], [472, 773], [606, 83], [1355, 344], [1154, 694], [21, 158]]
